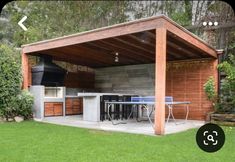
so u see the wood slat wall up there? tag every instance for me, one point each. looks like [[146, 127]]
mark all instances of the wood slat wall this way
[[80, 79], [185, 83]]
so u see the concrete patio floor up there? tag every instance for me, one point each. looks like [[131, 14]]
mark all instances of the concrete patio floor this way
[[132, 126]]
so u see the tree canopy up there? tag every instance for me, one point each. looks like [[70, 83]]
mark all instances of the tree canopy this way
[[50, 19]]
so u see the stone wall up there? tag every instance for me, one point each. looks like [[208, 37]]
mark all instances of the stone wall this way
[[133, 79]]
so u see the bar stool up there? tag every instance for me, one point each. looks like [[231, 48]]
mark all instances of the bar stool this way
[[103, 111], [114, 110]]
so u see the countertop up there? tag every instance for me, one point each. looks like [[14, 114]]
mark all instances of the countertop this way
[[71, 96], [95, 94]]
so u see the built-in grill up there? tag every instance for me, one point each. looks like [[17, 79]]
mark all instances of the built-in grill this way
[[47, 73]]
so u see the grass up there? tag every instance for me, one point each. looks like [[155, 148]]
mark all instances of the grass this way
[[32, 141]]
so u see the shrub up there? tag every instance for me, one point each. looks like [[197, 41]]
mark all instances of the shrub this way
[[209, 88], [23, 105], [227, 96], [225, 102], [10, 80], [13, 101]]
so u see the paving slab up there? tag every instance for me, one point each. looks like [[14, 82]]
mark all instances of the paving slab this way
[[131, 126]]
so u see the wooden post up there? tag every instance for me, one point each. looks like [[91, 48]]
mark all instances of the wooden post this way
[[25, 70], [160, 81]]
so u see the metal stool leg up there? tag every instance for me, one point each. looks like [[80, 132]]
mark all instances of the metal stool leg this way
[[168, 117], [110, 116], [170, 114], [187, 112], [148, 115]]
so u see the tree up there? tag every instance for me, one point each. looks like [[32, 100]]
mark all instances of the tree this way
[[50, 19]]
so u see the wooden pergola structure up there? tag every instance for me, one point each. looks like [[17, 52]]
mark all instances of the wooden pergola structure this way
[[151, 40]]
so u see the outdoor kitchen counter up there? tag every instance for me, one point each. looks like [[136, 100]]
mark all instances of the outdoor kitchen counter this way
[[90, 94], [91, 105]]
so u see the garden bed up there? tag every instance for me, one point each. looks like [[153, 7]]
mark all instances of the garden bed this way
[[223, 119]]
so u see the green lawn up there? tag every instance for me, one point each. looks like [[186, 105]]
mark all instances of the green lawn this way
[[33, 141]]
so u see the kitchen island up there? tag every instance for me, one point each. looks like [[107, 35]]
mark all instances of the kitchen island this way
[[91, 105]]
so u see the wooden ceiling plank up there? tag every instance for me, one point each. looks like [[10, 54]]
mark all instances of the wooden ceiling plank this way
[[177, 53], [93, 46], [172, 56], [190, 38], [88, 54], [110, 57], [151, 33], [173, 45], [127, 50], [132, 49], [141, 40], [109, 52], [80, 55], [187, 46], [133, 45], [82, 59], [71, 59]]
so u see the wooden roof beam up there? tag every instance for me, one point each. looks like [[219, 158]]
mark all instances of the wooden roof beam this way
[[190, 38], [117, 46], [170, 56], [135, 46], [81, 52], [96, 34], [109, 52], [173, 45], [71, 59], [147, 24], [151, 34], [141, 41], [122, 53], [187, 46], [177, 53], [101, 54]]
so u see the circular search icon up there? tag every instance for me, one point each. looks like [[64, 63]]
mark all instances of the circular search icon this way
[[210, 137]]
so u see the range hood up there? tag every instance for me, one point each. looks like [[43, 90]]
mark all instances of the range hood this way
[[48, 73]]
